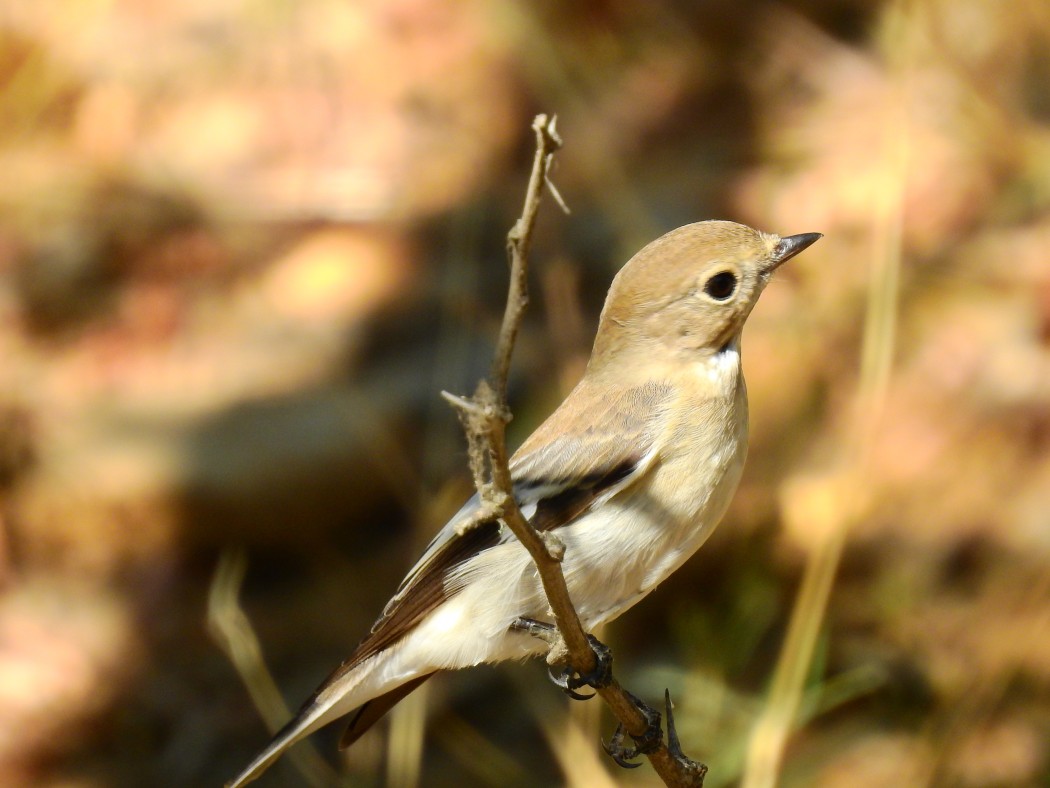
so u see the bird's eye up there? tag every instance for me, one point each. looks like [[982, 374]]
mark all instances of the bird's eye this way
[[721, 286]]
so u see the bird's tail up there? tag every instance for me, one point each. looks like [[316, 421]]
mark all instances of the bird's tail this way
[[372, 711], [297, 728], [351, 686]]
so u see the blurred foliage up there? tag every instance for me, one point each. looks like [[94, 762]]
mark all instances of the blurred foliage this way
[[244, 244]]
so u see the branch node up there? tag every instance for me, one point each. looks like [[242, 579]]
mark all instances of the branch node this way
[[547, 137], [554, 545]]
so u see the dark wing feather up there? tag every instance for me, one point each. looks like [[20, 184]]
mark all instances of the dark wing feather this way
[[598, 436], [426, 593], [564, 506], [370, 713], [561, 471]]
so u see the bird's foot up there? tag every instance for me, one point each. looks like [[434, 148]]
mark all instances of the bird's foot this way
[[646, 743], [570, 681], [651, 740], [564, 676]]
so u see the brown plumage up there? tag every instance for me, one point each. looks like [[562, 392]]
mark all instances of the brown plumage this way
[[634, 470]]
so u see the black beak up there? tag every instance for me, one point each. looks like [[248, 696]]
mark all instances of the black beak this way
[[791, 246]]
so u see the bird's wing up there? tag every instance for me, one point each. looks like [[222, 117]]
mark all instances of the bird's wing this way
[[589, 448], [594, 445]]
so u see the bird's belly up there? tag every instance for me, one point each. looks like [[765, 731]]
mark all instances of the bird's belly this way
[[616, 556]]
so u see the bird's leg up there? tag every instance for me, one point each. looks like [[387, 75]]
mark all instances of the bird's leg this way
[[569, 681], [548, 633], [564, 677]]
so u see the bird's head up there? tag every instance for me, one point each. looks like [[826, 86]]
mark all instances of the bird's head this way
[[690, 291]]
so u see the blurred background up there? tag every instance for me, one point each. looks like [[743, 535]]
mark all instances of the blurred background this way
[[244, 244]]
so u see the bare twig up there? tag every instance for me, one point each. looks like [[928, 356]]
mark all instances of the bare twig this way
[[485, 417]]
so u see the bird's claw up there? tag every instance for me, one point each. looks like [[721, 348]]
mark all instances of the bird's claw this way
[[615, 749], [646, 743], [651, 739], [564, 677], [569, 680]]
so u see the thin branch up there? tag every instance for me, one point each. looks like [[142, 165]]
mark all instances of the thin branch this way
[[485, 417]]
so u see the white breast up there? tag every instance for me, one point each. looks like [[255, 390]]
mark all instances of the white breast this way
[[616, 553]]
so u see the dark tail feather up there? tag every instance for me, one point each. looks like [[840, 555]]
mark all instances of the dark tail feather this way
[[370, 713]]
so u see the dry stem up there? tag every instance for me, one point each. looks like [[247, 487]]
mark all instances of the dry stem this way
[[485, 417]]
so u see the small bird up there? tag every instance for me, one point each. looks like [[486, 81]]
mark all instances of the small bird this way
[[632, 472]]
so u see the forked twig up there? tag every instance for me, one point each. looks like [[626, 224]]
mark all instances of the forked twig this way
[[485, 416]]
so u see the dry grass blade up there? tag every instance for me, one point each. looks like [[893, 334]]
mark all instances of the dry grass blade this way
[[233, 633], [834, 501]]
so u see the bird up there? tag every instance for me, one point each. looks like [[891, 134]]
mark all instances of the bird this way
[[632, 472]]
